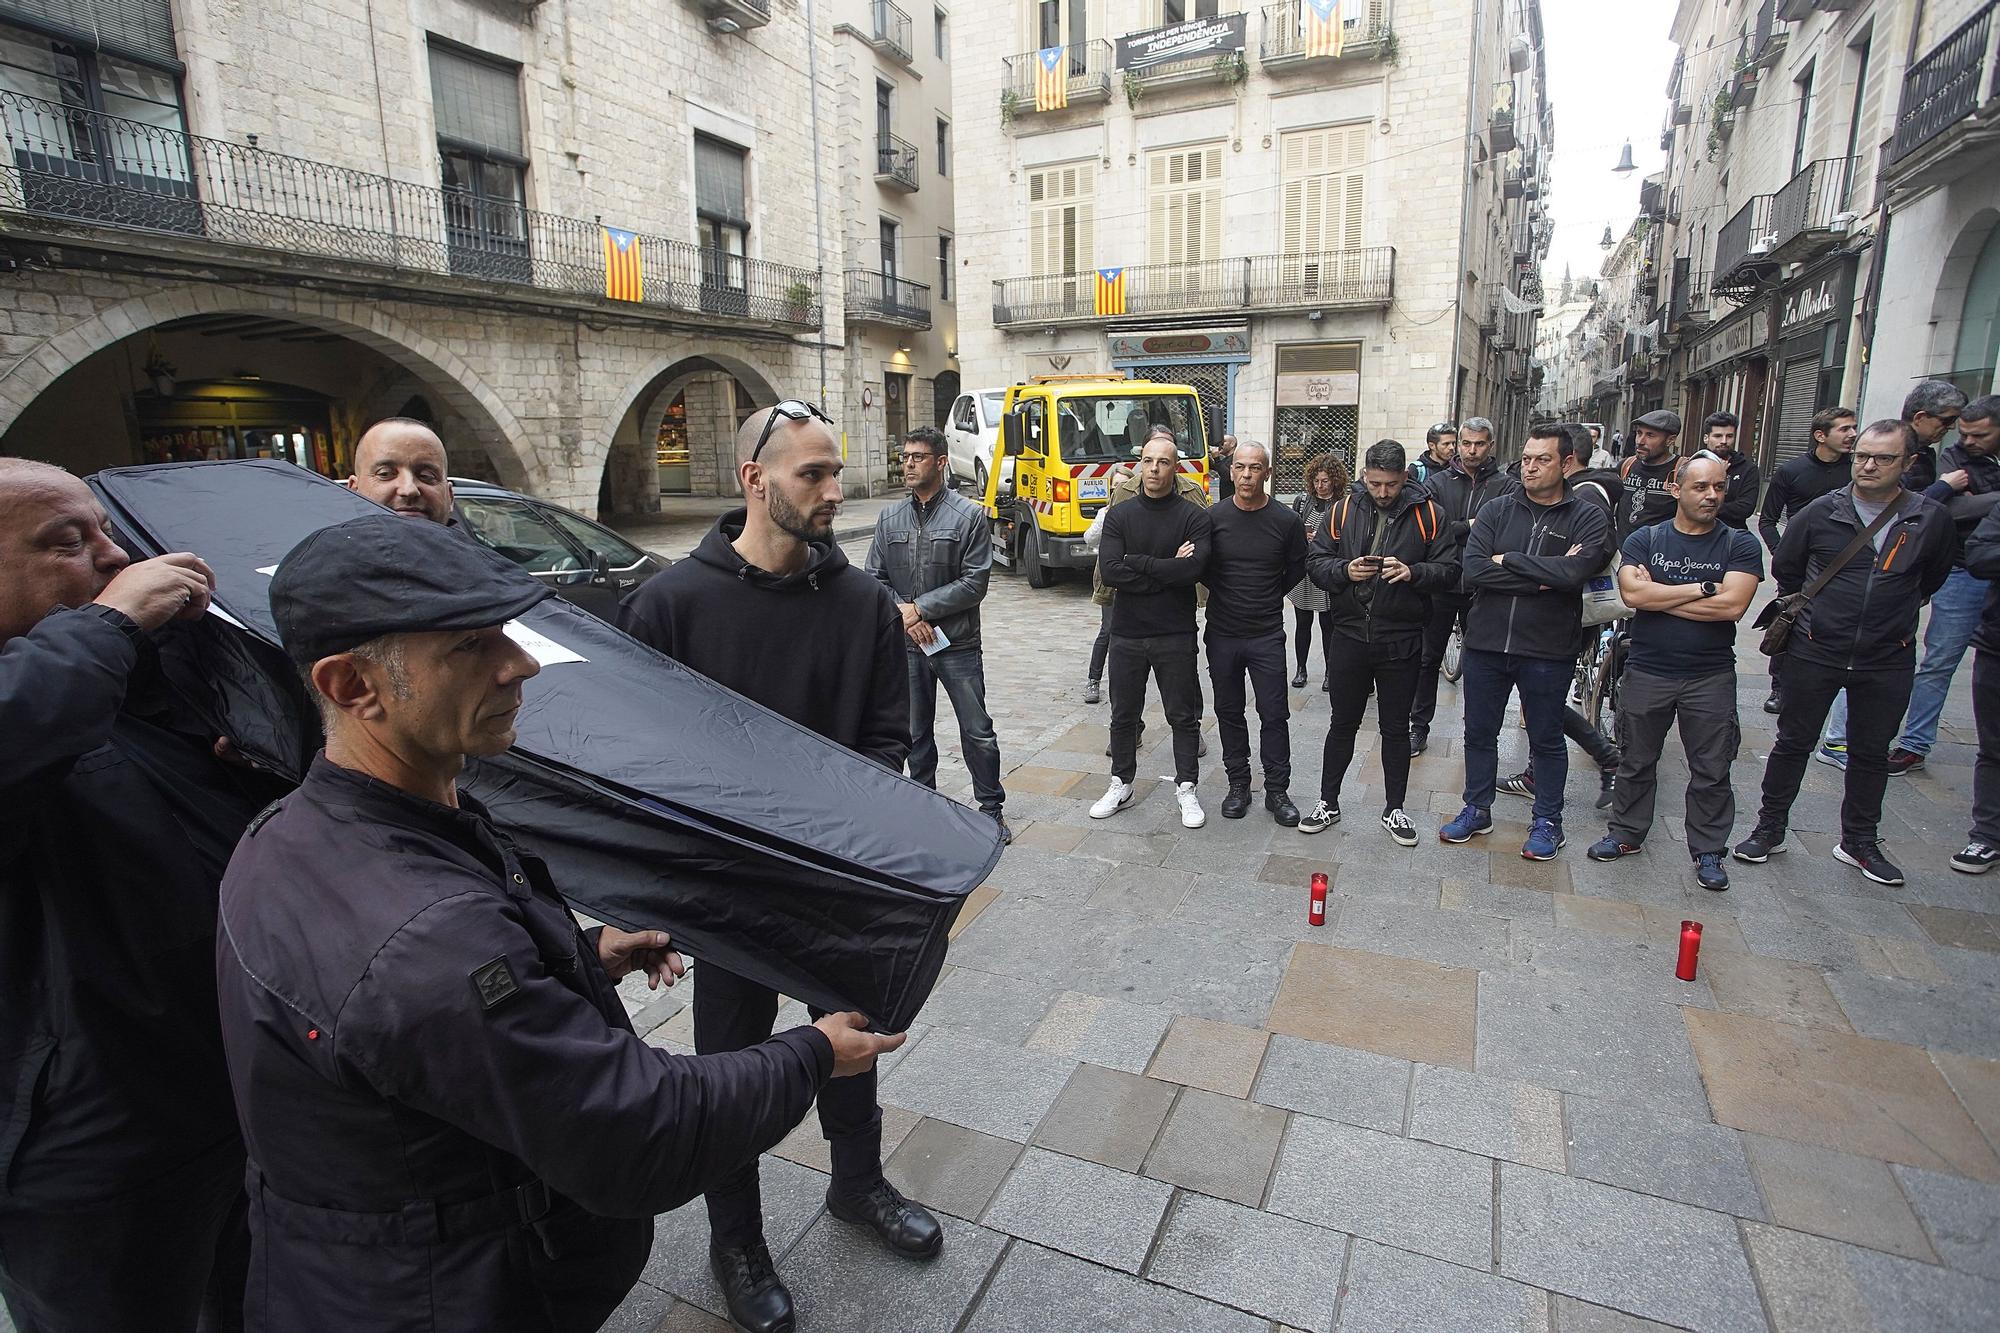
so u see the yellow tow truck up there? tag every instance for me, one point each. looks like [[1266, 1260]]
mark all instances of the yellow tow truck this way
[[1061, 439]]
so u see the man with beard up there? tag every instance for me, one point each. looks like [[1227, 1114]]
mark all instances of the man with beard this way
[[1473, 479], [1796, 483], [1718, 436], [1440, 447], [769, 606], [1648, 473], [399, 463]]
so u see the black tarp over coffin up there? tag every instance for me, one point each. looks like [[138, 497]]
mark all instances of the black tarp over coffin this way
[[659, 798]]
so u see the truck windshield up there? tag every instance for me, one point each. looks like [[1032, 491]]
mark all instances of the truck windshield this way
[[1113, 428]]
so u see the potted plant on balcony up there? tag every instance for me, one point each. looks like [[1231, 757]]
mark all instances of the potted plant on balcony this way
[[1010, 102], [1135, 88], [1231, 68], [798, 302]]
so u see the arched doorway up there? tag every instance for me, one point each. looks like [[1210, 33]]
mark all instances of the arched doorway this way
[[1976, 363], [676, 434]]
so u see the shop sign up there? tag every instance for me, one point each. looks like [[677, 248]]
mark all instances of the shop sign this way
[[1732, 340], [1181, 342], [1817, 300], [1197, 39], [1320, 388]]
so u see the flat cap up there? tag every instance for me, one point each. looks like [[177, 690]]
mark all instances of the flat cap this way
[[1661, 420], [389, 574]]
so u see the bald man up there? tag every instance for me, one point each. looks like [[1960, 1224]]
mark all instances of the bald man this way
[[769, 606], [399, 463], [121, 1169]]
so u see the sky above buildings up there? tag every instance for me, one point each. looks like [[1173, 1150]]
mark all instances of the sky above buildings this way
[[1608, 65]]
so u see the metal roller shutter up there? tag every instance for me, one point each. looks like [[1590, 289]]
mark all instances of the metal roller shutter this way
[[1797, 402]]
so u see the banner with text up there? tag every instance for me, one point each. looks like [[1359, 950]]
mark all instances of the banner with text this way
[[1197, 39]]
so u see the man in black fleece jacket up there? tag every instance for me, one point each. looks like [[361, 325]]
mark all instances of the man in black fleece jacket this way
[[769, 606], [1472, 479], [1796, 483], [1153, 551]]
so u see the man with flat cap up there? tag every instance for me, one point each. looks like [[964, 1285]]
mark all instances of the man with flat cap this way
[[399, 463], [121, 1171], [769, 606], [450, 1123]]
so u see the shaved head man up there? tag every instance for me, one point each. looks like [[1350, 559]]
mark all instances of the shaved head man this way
[[788, 463], [399, 463]]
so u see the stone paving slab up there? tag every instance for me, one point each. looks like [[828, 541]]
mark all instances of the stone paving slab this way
[[1837, 1195], [843, 1277], [1392, 1290], [1430, 934], [1493, 1117], [1785, 992], [1106, 1116], [1335, 1083], [1415, 1196], [1042, 1291], [1080, 1208], [993, 1088], [1964, 1020], [1977, 1083], [1218, 1145], [948, 1168], [1570, 1033], [1646, 1256], [1811, 1284], [1693, 1161], [1962, 1218], [1272, 1266], [1201, 1053], [1108, 1033], [991, 1006], [1393, 1006], [1575, 1316]]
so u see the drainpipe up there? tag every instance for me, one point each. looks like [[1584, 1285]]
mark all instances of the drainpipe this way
[[1464, 207], [819, 204]]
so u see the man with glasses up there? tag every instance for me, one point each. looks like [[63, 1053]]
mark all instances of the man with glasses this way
[[1440, 448], [1856, 635], [769, 606], [1796, 483], [936, 555]]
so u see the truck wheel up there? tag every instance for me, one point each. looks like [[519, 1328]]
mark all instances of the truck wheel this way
[[1039, 575]]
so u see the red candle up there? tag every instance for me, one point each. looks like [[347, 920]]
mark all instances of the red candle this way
[[1317, 915], [1690, 950]]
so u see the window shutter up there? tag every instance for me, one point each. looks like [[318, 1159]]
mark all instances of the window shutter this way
[[1061, 214], [718, 181], [477, 103], [1184, 206], [140, 30]]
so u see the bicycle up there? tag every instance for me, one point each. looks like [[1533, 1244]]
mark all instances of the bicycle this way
[[1453, 665], [1600, 671]]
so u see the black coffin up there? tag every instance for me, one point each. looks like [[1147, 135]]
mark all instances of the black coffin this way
[[658, 797]]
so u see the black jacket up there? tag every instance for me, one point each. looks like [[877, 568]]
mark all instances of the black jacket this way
[[1739, 501], [1982, 493], [118, 822], [1417, 534], [1531, 605], [1922, 473], [823, 647], [1601, 486], [444, 1103], [1796, 483], [1982, 561], [1459, 494], [1866, 617]]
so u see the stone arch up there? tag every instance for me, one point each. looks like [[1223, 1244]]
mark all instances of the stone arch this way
[[649, 393], [497, 429], [1953, 280], [654, 379]]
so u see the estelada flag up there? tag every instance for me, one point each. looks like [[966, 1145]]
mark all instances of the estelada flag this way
[[1051, 80], [1110, 291], [1322, 23], [624, 279]]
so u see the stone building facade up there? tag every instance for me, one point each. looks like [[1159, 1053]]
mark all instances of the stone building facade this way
[[233, 229], [1331, 247]]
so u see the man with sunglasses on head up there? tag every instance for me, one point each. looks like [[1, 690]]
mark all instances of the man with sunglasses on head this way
[[936, 555], [769, 606], [1440, 448]]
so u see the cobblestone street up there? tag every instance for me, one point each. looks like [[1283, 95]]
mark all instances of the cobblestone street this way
[[1149, 1096]]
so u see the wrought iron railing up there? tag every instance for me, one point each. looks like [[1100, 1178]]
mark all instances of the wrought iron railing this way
[[1087, 74], [886, 297], [891, 28], [1742, 245], [1320, 279], [896, 161], [1946, 85], [1364, 34], [1810, 201], [80, 166]]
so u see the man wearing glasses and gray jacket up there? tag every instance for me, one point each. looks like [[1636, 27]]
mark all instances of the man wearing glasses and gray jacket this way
[[936, 554]]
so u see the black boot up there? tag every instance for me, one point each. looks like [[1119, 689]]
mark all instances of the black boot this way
[[905, 1227], [1299, 679], [1279, 802], [751, 1287], [1237, 803]]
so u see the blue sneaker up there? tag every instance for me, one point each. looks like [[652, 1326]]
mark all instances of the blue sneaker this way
[[1834, 756], [1545, 839], [1471, 822]]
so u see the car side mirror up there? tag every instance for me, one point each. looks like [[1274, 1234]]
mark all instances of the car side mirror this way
[[600, 575]]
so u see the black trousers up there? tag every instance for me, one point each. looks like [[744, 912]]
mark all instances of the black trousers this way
[[1302, 632], [1875, 704], [1170, 660], [732, 1013], [1389, 671], [171, 1256], [1263, 661], [1986, 769], [1100, 647], [1445, 612]]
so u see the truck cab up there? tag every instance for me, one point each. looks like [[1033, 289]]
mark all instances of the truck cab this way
[[1061, 439]]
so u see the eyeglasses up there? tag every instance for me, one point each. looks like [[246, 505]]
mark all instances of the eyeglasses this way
[[916, 455], [1950, 421], [792, 409], [1862, 460]]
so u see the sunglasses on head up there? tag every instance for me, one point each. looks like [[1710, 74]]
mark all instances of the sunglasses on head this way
[[792, 409]]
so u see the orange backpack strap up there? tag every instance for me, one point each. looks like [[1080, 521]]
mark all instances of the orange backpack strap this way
[[1625, 468], [1427, 530]]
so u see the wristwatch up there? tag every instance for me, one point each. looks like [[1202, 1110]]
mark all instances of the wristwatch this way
[[1709, 590]]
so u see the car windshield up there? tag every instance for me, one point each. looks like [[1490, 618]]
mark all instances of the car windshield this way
[[615, 550], [517, 532], [1113, 428], [990, 404]]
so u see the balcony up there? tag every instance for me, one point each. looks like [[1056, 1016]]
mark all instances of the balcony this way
[[884, 298], [896, 163], [1085, 70], [73, 174], [889, 30], [1792, 11], [1948, 104], [1687, 307], [1286, 43], [727, 16], [1501, 137], [1810, 214], [1319, 280], [1743, 250], [1524, 241], [1767, 40], [1514, 181]]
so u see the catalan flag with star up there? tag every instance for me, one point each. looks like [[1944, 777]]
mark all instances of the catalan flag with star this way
[[1051, 79], [624, 278], [1321, 21], [1110, 291]]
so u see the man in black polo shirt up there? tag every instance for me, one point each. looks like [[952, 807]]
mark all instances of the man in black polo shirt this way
[[1688, 581], [1796, 483], [1259, 553]]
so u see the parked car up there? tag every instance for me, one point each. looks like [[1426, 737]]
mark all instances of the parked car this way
[[970, 433], [585, 562]]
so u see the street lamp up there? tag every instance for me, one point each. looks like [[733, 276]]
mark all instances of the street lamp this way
[[1607, 242], [1625, 160]]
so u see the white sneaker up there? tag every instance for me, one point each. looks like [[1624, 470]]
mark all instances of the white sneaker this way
[[1191, 815], [1400, 828], [1117, 798]]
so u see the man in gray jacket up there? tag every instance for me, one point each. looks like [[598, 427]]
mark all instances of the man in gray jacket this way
[[936, 555]]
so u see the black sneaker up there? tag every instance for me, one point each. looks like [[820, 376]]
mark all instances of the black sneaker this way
[[1606, 778], [1237, 803], [1763, 843], [1976, 859], [1420, 740], [1903, 761], [1609, 848], [1708, 872], [1324, 815], [1868, 859], [1520, 784]]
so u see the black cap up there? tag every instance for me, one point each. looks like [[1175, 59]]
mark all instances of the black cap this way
[[389, 574], [1662, 420]]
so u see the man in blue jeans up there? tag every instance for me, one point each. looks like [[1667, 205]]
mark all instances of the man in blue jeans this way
[[1527, 559], [936, 554]]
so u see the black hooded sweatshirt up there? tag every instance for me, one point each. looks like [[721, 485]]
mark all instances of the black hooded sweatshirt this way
[[824, 646]]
